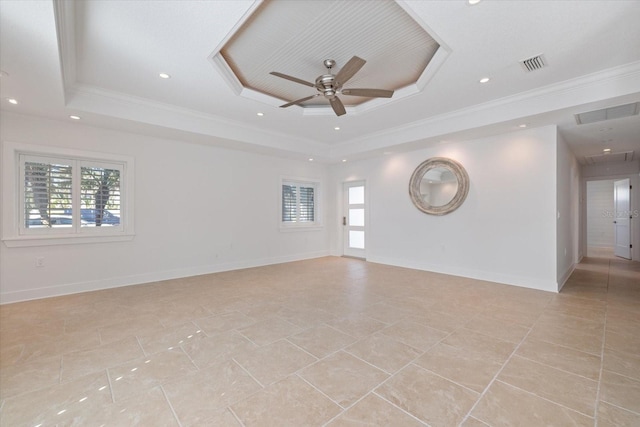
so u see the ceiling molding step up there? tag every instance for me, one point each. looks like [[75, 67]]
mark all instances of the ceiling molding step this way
[[611, 83], [246, 15], [221, 66], [125, 107], [64, 15]]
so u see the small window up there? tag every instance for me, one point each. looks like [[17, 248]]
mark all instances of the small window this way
[[64, 195], [299, 203]]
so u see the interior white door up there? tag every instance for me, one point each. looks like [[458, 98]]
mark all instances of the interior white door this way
[[353, 219], [622, 218]]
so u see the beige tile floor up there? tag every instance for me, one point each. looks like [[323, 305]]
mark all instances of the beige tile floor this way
[[330, 341]]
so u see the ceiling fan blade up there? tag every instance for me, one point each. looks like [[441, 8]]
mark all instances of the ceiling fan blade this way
[[298, 101], [350, 68], [371, 93], [338, 106], [293, 79]]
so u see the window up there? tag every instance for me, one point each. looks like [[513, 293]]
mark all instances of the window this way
[[65, 196], [299, 203]]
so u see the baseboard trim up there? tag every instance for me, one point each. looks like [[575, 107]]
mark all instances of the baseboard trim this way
[[117, 282], [523, 282], [563, 279]]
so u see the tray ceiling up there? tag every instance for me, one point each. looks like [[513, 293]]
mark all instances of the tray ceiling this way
[[295, 37]]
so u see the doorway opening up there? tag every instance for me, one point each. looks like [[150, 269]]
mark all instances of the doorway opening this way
[[608, 224]]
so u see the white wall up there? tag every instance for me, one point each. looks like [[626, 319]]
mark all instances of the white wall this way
[[599, 208], [504, 232], [195, 213], [199, 209], [568, 211]]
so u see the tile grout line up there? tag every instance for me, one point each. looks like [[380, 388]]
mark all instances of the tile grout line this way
[[302, 349], [233, 413], [620, 407], [396, 406], [559, 369], [166, 398], [546, 399], [342, 409], [113, 397], [401, 369], [494, 379], [604, 338], [248, 373]]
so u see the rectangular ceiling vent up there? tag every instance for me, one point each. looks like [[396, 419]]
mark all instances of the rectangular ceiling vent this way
[[625, 156], [534, 63], [610, 113]]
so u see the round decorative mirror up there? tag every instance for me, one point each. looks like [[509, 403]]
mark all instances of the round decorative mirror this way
[[439, 186]]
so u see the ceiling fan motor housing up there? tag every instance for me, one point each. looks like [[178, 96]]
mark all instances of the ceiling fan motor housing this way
[[327, 85]]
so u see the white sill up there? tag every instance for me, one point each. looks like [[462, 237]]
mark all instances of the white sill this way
[[26, 241], [299, 227]]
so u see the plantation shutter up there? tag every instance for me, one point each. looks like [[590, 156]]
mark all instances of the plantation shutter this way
[[47, 192], [99, 193], [307, 204], [289, 203]]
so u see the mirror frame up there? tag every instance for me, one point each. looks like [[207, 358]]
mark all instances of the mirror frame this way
[[436, 162]]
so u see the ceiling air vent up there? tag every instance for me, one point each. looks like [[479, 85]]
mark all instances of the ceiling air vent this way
[[625, 156], [534, 63], [617, 112]]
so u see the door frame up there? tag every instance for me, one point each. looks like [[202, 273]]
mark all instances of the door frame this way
[[634, 179], [622, 218], [344, 212]]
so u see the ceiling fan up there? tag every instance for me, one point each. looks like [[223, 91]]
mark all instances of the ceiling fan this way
[[330, 85]]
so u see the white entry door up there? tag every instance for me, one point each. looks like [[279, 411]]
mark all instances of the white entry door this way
[[621, 221], [353, 219]]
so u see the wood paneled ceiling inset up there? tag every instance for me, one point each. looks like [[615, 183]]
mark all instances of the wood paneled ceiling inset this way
[[295, 37]]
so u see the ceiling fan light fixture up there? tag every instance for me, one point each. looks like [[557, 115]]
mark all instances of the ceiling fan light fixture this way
[[330, 85]]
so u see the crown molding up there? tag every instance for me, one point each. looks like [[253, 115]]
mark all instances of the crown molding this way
[[609, 83]]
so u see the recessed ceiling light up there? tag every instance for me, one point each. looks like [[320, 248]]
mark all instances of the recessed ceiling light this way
[[260, 114], [336, 128], [607, 150], [484, 79], [472, 2], [523, 125], [164, 76], [344, 160], [74, 117], [12, 101], [311, 159]]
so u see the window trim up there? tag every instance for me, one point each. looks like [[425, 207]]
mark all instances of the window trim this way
[[11, 197], [293, 226]]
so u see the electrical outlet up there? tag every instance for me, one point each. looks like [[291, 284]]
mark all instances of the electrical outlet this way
[[40, 261]]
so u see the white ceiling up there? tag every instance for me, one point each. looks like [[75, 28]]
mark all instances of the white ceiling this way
[[100, 60]]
